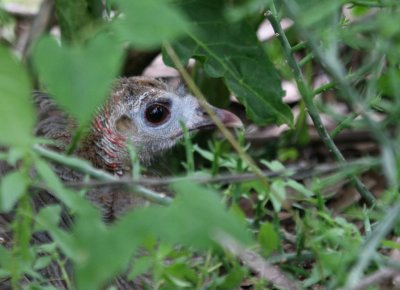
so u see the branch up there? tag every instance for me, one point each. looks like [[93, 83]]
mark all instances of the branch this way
[[377, 277], [295, 172], [257, 263], [84, 167]]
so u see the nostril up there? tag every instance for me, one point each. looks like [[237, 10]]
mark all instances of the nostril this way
[[200, 111]]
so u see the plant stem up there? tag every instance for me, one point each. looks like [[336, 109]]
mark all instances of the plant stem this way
[[86, 168], [75, 140], [225, 132], [344, 124], [299, 46], [305, 59], [324, 88], [334, 67], [188, 149], [307, 95]]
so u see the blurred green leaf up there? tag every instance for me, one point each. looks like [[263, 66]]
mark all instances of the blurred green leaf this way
[[181, 275], [233, 51], [388, 82], [5, 257], [299, 187], [78, 78], [42, 262], [197, 215], [13, 186], [233, 279], [76, 203], [214, 89], [140, 266], [268, 238], [274, 165], [246, 9], [73, 18], [318, 14], [51, 214], [148, 23], [278, 194], [17, 116], [193, 219]]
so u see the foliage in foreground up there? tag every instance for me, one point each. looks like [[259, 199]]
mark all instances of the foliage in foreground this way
[[187, 240]]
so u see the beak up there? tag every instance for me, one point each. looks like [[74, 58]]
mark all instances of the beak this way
[[200, 119], [229, 119]]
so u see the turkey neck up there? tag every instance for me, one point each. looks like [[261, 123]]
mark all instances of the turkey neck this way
[[104, 147]]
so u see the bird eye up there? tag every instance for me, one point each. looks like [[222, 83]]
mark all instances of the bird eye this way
[[157, 114]]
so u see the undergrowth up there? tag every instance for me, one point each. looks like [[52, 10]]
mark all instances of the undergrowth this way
[[298, 210]]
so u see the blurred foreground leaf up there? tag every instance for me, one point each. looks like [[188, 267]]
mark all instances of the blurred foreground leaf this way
[[13, 186], [148, 23], [268, 238], [79, 78], [16, 107], [102, 251]]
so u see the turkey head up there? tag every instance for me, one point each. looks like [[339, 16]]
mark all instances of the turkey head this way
[[149, 114]]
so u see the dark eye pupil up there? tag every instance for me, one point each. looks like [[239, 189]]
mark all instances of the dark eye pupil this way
[[156, 113]]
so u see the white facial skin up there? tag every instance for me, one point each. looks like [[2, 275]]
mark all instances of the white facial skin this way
[[152, 134], [153, 121], [158, 136], [149, 115]]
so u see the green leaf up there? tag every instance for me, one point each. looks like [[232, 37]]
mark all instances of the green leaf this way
[[51, 214], [273, 165], [140, 266], [148, 23], [278, 194], [13, 186], [76, 203], [193, 219], [79, 78], [5, 257], [233, 279], [197, 215], [299, 187], [318, 13], [73, 18], [17, 117], [42, 262], [246, 9], [232, 51], [103, 252], [268, 238], [181, 275]]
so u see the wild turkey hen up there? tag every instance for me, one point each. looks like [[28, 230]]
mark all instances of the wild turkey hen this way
[[142, 111]]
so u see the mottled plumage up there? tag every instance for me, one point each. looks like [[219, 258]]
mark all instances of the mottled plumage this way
[[144, 112]]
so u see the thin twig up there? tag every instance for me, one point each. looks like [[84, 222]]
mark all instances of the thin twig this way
[[40, 24], [377, 277], [307, 95], [294, 172], [257, 263], [84, 167], [303, 256], [346, 123]]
